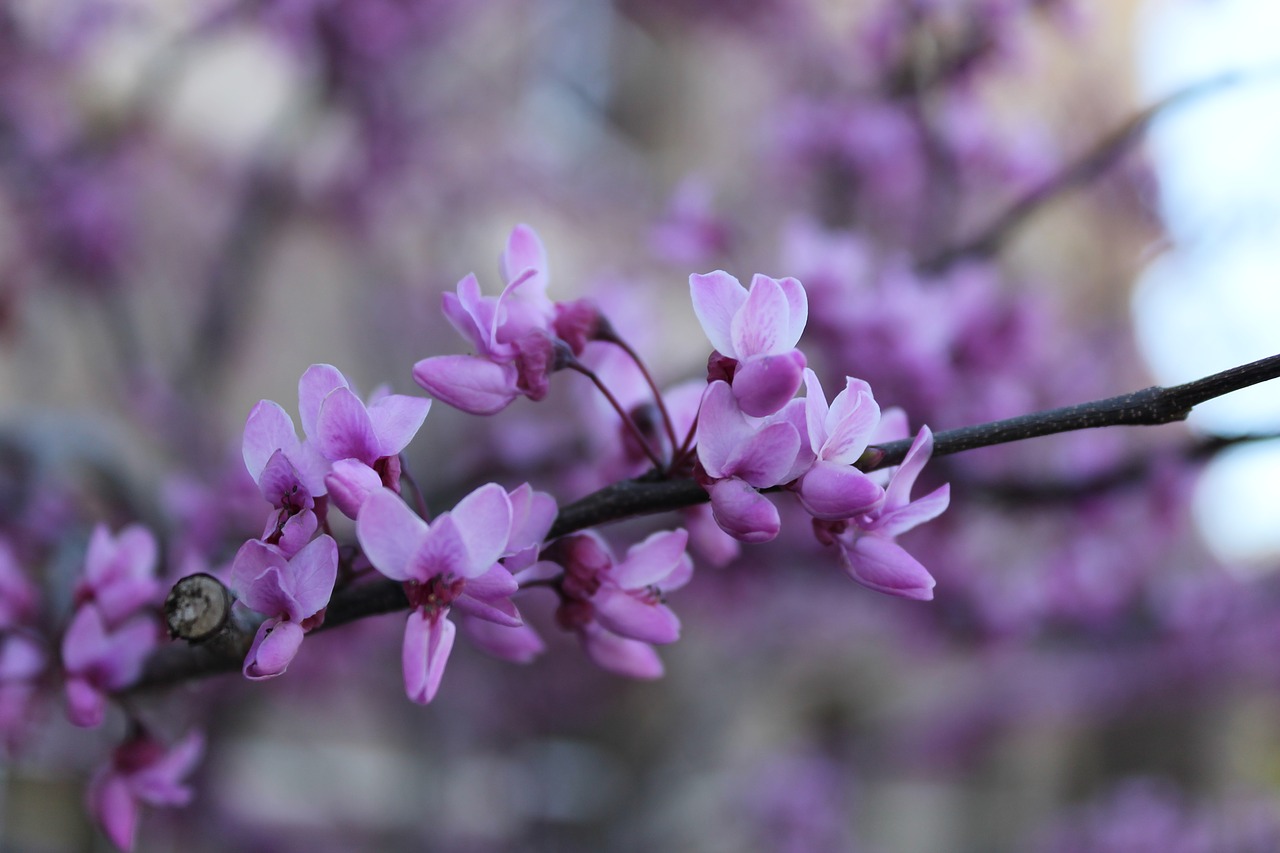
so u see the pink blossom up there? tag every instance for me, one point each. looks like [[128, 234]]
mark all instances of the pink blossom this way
[[867, 547], [838, 434], [511, 333], [618, 609], [757, 329], [119, 573], [451, 562], [142, 771], [741, 454], [22, 661], [292, 591], [99, 660], [18, 595]]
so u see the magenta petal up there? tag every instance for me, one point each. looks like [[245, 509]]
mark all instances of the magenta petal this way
[[268, 429], [532, 514], [898, 492], [717, 297], [280, 482], [648, 563], [316, 383], [766, 383], [815, 410], [621, 655], [798, 310], [86, 704], [84, 639], [274, 646], [350, 483], [460, 310], [884, 566], [722, 430], [742, 512], [443, 552], [628, 616], [161, 783], [927, 508], [767, 457], [427, 643], [762, 324], [258, 578], [833, 492], [314, 570], [498, 610], [853, 417], [298, 530], [344, 429], [114, 807], [121, 659], [124, 597], [474, 385], [483, 520], [390, 534], [396, 420], [524, 251], [519, 644], [493, 584]]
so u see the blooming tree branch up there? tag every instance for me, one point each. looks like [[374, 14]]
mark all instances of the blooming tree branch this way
[[650, 495]]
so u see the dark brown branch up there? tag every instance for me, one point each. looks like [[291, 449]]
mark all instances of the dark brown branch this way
[[1096, 161], [630, 498]]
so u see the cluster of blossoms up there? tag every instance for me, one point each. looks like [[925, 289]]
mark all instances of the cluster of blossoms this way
[[744, 431]]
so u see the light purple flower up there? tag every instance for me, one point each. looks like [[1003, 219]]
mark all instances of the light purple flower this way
[[119, 573], [292, 591], [867, 547], [142, 771], [350, 447], [617, 609], [98, 660], [22, 661], [511, 333], [451, 562], [838, 434], [741, 454], [759, 329], [18, 595]]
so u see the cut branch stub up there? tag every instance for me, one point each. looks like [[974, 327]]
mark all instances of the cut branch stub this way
[[197, 608]]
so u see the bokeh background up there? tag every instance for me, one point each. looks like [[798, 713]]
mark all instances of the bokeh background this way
[[199, 199]]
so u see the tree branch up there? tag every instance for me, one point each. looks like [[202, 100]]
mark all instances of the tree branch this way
[[1155, 405], [1097, 160]]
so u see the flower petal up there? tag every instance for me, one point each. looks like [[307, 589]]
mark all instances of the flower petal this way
[[258, 578], [483, 520], [766, 459], [763, 384], [648, 563], [524, 251], [621, 655], [274, 646], [316, 383], [722, 429], [314, 570], [717, 297], [628, 616], [350, 483], [427, 643], [114, 808], [268, 429], [390, 534], [519, 644], [744, 513], [927, 508], [762, 324], [832, 492], [470, 383], [798, 313], [396, 420], [853, 417], [344, 429], [883, 565]]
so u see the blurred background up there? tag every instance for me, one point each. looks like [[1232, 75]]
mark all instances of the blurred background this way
[[996, 206]]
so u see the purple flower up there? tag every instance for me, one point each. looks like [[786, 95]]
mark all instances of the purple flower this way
[[867, 549], [741, 454], [22, 662], [832, 488], [293, 593], [757, 329], [451, 562], [119, 573], [141, 771], [18, 595], [512, 335], [98, 660], [351, 448], [617, 609]]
